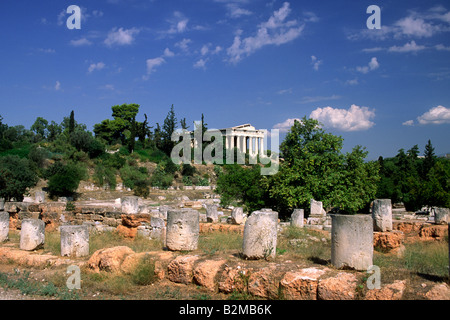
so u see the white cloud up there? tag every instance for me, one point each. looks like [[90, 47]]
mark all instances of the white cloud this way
[[275, 31], [354, 119], [96, 66], [121, 36], [183, 44], [441, 47], [178, 24], [201, 64], [234, 11], [285, 91], [352, 82], [424, 24], [168, 53], [415, 27], [57, 86], [408, 123], [315, 62], [319, 98], [373, 65], [408, 47], [286, 125], [80, 42], [153, 63], [437, 115]]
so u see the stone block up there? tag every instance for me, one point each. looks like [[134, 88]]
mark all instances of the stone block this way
[[352, 241], [4, 226], [382, 215], [183, 229], [297, 218], [260, 235], [32, 234], [74, 241]]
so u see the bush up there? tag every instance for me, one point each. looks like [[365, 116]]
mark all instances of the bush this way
[[188, 170], [65, 179], [104, 175], [160, 178], [131, 175], [16, 177]]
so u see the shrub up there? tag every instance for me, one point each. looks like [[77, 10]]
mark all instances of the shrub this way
[[104, 175], [131, 175], [16, 177], [65, 180], [160, 178], [144, 273], [188, 170]]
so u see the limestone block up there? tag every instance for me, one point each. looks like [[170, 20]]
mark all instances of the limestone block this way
[[382, 215], [260, 235], [352, 241], [441, 215], [211, 213], [237, 215], [317, 208], [74, 241], [4, 226], [297, 218], [40, 197], [130, 205], [183, 229], [32, 234]]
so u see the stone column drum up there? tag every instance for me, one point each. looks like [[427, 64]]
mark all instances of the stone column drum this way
[[74, 241], [297, 218], [352, 241], [441, 215], [183, 228], [130, 205], [2, 204], [40, 197], [382, 215], [4, 226], [260, 235], [211, 213], [32, 234], [237, 215]]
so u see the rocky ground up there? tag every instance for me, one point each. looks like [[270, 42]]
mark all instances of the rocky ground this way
[[221, 275]]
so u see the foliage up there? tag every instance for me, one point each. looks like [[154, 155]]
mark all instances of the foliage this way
[[315, 168], [104, 175], [162, 178], [169, 126], [417, 182], [244, 185], [16, 177], [119, 129], [188, 170], [64, 179]]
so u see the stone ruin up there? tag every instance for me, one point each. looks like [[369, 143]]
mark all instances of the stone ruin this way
[[352, 236]]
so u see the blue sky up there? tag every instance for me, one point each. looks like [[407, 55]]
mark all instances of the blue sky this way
[[264, 62]]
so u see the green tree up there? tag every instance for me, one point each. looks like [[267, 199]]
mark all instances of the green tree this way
[[119, 129], [243, 185], [169, 126], [429, 159], [54, 130], [315, 168], [64, 179], [16, 177], [312, 168], [72, 122], [39, 127]]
